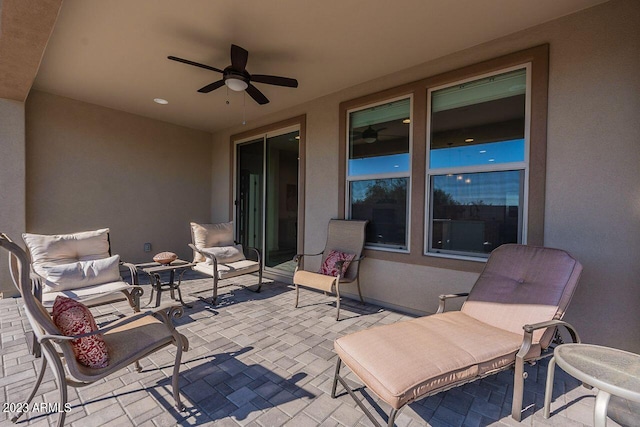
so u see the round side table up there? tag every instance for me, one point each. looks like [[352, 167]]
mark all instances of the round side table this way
[[611, 371]]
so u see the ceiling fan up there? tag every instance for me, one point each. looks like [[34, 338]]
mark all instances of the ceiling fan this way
[[237, 78], [369, 135]]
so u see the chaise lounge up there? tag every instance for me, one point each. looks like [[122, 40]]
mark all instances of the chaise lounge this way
[[509, 318]]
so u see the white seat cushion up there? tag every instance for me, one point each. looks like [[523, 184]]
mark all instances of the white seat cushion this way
[[91, 295], [228, 270], [81, 274], [66, 248]]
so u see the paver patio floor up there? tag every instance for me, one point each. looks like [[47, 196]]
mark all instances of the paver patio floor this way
[[254, 360]]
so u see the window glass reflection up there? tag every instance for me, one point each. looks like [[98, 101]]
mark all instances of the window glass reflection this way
[[477, 212], [384, 203], [479, 122], [379, 139]]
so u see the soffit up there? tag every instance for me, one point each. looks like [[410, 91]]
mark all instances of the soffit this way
[[113, 53]]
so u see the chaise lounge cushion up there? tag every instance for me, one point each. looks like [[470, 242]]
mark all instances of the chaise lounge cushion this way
[[403, 361], [522, 285]]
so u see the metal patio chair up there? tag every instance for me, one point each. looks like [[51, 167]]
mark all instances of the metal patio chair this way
[[128, 339], [345, 242]]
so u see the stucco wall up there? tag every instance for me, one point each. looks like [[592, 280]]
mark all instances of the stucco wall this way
[[90, 167], [593, 178], [12, 180]]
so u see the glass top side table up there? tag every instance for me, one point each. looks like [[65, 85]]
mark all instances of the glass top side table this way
[[610, 370]]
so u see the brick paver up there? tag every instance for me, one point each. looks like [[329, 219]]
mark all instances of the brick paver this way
[[254, 360]]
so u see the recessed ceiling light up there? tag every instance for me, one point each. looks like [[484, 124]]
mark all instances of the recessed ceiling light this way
[[492, 160], [468, 140], [406, 121], [160, 101], [298, 137], [483, 151]]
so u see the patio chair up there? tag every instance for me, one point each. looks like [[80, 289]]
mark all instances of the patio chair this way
[[79, 266], [128, 339], [341, 259], [509, 318], [216, 254]]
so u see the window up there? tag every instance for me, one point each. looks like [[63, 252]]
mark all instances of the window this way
[[378, 171], [477, 164]]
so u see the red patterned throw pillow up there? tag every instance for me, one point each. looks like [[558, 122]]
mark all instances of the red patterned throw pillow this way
[[74, 318], [329, 268]]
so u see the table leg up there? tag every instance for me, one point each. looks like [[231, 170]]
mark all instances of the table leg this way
[[153, 286], [548, 391], [158, 289], [172, 275], [600, 410], [180, 292]]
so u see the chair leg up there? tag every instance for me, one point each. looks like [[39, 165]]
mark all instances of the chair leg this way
[[43, 367], [335, 378], [175, 382], [215, 288], [259, 280], [518, 389], [297, 295], [338, 300], [392, 417], [59, 374], [359, 291]]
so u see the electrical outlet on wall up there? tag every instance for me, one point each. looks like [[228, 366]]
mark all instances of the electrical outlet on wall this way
[[147, 247]]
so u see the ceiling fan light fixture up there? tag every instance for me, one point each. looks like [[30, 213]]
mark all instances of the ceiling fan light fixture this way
[[236, 84], [369, 140]]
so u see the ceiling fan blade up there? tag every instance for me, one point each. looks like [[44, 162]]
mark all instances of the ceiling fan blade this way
[[257, 95], [211, 87], [238, 58], [195, 64], [274, 80]]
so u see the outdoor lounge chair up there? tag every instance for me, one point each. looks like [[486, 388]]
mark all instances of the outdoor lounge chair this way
[[128, 340], [345, 242], [219, 256], [509, 318]]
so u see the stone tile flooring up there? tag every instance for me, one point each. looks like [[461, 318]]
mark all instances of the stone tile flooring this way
[[254, 360]]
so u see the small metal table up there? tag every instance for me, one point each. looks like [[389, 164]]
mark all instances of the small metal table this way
[[610, 370], [154, 269]]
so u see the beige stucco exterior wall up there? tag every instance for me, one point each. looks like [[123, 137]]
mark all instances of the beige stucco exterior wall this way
[[90, 167], [12, 179], [593, 174]]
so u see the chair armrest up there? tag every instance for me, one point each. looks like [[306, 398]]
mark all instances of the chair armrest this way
[[133, 271], [443, 298], [527, 339], [256, 251], [298, 257], [165, 312]]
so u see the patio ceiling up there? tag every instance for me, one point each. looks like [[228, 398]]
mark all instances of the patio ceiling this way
[[114, 53]]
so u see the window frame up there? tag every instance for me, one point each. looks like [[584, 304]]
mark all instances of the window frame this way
[[437, 74], [498, 167], [381, 176]]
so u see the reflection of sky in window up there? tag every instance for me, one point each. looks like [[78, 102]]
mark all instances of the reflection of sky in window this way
[[478, 154], [359, 189], [379, 164], [492, 188]]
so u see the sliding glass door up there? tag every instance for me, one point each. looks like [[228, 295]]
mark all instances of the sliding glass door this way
[[267, 197]]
